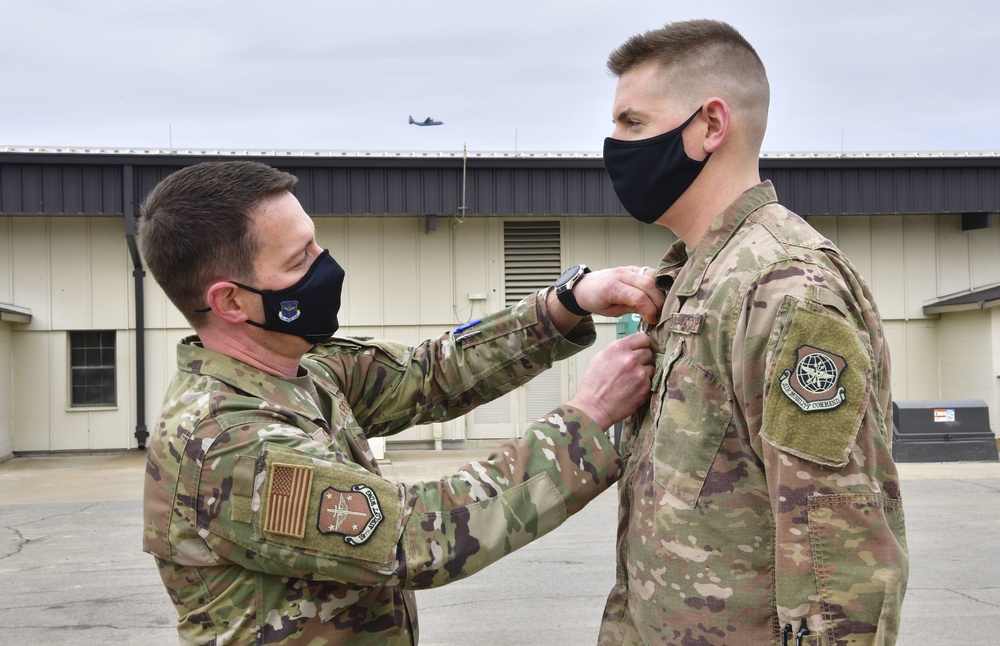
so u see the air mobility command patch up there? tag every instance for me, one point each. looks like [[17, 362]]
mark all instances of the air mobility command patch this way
[[819, 385], [814, 383]]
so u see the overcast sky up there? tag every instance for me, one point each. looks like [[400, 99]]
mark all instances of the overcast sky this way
[[530, 75]]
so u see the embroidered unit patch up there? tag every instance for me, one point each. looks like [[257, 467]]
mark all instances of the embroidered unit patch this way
[[289, 311], [814, 383], [820, 386], [288, 500], [354, 514]]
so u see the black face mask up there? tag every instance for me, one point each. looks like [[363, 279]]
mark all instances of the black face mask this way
[[308, 308], [649, 175]]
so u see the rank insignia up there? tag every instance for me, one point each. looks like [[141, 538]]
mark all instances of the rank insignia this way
[[354, 514], [289, 311], [814, 382]]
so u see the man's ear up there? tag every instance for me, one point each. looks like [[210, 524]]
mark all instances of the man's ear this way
[[226, 300], [716, 114]]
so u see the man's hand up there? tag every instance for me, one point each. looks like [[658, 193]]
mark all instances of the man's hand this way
[[617, 380], [620, 290], [611, 292]]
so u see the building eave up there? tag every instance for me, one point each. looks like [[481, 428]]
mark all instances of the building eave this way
[[976, 299], [14, 314]]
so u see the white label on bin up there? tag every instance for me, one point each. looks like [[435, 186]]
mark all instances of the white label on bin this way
[[944, 414]]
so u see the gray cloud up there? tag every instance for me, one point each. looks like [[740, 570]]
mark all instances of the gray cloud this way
[[865, 76]]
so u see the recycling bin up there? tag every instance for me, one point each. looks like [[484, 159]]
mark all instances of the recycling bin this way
[[949, 430]]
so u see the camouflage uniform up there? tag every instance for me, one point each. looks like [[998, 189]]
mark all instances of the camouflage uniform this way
[[266, 512], [759, 494]]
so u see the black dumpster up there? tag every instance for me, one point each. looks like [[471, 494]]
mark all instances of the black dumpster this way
[[950, 430]]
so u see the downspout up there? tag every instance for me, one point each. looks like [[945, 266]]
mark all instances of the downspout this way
[[128, 210]]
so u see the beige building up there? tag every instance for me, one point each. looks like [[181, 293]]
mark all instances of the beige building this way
[[68, 302]]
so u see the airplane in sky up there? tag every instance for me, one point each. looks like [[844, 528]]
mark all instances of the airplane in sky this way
[[426, 122]]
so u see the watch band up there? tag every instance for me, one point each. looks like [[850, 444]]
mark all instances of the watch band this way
[[564, 288]]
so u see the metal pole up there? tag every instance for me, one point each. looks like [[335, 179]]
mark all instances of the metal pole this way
[[128, 210]]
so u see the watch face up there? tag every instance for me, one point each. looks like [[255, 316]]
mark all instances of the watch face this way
[[568, 276]]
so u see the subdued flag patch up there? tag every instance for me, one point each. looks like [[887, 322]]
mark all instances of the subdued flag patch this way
[[288, 499]]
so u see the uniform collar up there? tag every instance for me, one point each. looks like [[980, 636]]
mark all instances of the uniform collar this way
[[719, 232], [291, 394]]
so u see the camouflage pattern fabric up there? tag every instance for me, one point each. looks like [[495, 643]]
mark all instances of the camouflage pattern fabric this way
[[265, 510], [760, 503]]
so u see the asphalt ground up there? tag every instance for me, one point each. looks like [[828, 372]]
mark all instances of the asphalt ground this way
[[72, 571]]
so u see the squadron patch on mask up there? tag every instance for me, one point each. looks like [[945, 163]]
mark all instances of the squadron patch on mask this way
[[814, 382], [289, 311], [354, 514]]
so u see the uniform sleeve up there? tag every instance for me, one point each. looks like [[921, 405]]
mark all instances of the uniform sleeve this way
[[391, 387], [273, 500], [811, 376]]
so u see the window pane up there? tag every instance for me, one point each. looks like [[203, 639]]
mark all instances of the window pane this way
[[92, 368]]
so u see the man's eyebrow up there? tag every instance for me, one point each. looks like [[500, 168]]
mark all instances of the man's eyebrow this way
[[626, 113], [296, 254]]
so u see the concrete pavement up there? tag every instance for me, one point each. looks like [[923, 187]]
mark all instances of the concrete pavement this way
[[71, 569]]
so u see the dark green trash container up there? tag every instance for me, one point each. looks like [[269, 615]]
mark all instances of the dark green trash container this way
[[626, 325]]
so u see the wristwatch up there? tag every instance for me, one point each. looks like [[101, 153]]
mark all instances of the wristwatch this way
[[564, 288]]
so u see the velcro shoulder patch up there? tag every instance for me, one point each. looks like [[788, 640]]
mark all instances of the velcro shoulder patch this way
[[330, 509], [819, 385]]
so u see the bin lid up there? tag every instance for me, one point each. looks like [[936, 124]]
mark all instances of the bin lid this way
[[939, 403]]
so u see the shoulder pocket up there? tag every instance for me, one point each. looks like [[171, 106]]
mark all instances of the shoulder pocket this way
[[818, 385], [327, 509]]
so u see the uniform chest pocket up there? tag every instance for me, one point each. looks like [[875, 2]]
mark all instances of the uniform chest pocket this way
[[695, 411]]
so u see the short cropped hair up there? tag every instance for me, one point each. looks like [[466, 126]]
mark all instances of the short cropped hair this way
[[195, 227], [703, 58]]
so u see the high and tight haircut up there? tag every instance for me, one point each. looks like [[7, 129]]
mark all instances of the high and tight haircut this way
[[701, 56], [195, 227]]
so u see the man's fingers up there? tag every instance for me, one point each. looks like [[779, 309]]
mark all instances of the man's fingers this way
[[645, 297], [638, 341], [612, 292]]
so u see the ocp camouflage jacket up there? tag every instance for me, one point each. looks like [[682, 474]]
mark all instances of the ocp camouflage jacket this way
[[266, 512], [760, 502]]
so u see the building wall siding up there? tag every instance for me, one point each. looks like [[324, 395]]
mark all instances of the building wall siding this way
[[407, 284], [967, 359], [6, 392], [994, 375]]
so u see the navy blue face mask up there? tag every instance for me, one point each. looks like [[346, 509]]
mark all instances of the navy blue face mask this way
[[307, 309], [649, 175]]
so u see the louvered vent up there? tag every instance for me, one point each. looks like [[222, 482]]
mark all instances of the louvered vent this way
[[531, 257]]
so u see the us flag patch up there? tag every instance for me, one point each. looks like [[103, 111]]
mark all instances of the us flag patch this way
[[288, 499]]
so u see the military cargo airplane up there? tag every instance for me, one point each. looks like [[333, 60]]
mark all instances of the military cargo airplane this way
[[426, 122]]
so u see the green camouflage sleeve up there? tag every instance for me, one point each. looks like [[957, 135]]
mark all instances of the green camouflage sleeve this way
[[810, 340], [273, 500], [391, 387]]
